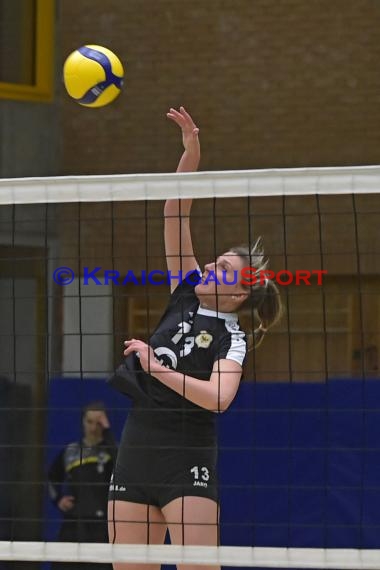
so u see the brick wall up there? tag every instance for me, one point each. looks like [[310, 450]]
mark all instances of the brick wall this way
[[271, 83]]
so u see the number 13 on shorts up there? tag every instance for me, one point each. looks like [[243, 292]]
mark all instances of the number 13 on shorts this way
[[200, 473]]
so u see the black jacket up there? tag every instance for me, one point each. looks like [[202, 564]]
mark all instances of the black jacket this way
[[84, 473]]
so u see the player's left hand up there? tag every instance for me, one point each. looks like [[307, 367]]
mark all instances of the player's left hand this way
[[145, 354]]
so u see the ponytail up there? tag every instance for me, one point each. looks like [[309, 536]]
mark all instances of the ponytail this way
[[264, 298], [268, 310]]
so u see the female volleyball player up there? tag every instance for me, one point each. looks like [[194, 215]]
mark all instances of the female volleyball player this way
[[165, 475]]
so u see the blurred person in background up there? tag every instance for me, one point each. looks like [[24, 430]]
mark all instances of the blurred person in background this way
[[79, 479]]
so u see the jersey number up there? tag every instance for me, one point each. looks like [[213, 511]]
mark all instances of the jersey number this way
[[184, 328], [204, 473]]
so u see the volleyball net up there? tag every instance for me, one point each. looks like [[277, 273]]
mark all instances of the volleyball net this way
[[298, 449]]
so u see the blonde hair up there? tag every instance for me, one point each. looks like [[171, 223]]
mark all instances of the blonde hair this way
[[264, 298]]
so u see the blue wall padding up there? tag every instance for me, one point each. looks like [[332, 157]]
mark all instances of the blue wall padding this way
[[299, 462], [300, 465]]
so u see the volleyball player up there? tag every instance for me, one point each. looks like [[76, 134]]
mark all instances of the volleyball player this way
[[165, 475]]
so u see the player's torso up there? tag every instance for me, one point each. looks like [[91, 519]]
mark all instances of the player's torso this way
[[88, 471], [95, 461], [186, 339]]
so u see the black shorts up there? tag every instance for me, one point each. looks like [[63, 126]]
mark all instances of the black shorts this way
[[156, 476]]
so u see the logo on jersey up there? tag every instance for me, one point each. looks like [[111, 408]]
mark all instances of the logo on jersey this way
[[102, 460], [166, 357], [203, 340], [232, 326]]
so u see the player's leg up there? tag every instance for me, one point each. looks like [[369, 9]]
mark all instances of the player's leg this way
[[135, 523], [193, 521]]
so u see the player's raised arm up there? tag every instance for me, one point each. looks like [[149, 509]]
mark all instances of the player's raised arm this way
[[178, 243]]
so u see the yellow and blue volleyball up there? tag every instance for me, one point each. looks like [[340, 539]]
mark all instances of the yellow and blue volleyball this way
[[93, 76]]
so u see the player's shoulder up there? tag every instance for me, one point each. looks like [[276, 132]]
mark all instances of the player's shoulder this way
[[72, 449], [234, 336], [233, 343], [186, 285], [233, 327], [73, 445]]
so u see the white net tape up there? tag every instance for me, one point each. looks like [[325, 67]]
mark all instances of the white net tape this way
[[223, 184], [238, 556]]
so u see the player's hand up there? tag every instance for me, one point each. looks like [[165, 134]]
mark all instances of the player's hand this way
[[66, 503], [189, 129], [102, 420], [145, 354]]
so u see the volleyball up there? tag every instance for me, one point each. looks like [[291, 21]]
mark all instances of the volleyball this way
[[93, 76]]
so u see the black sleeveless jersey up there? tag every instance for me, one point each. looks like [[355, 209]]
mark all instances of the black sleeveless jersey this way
[[188, 339]]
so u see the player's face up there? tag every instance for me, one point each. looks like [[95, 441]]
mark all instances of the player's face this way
[[221, 279], [91, 425]]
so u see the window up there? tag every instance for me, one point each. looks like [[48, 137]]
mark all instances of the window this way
[[26, 49]]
